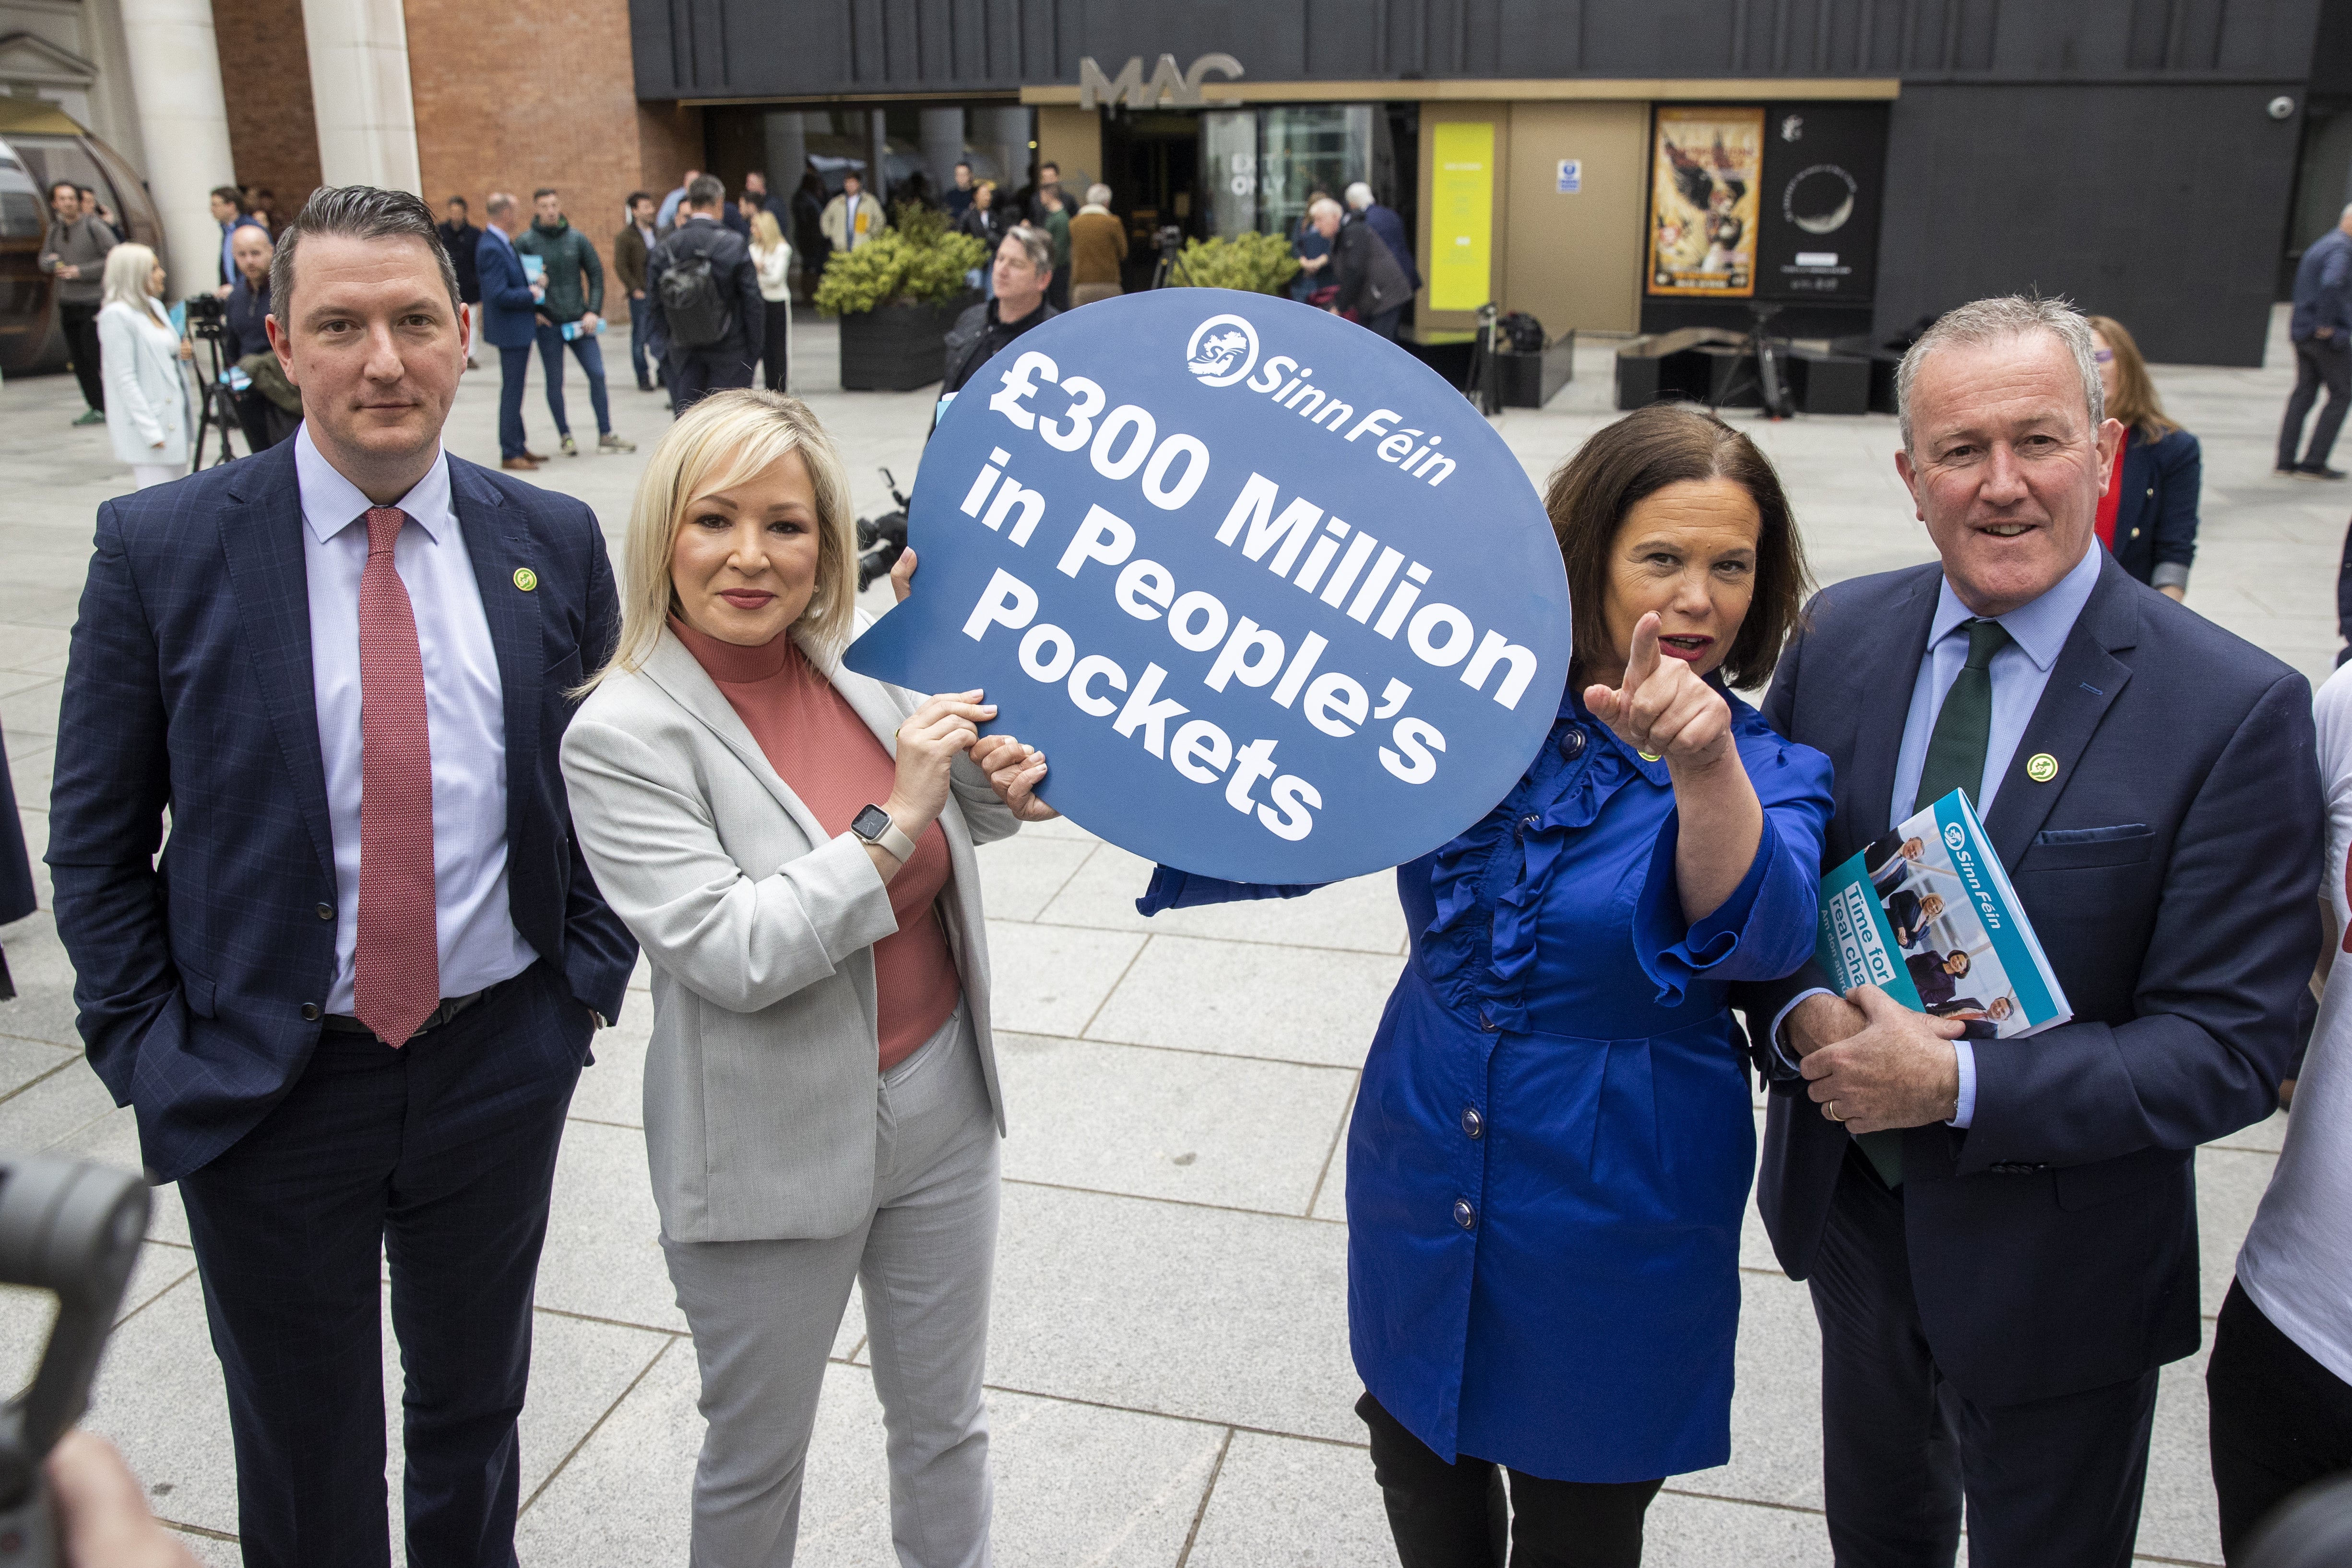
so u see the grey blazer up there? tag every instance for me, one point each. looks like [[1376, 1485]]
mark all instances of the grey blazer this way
[[759, 1079]]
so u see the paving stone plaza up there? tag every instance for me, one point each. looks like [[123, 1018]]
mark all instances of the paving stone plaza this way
[[1168, 1372]]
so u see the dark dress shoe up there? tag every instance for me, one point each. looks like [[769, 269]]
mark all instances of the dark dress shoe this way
[[2318, 471]]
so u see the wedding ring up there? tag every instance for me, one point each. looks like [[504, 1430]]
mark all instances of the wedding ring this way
[[1829, 1109]]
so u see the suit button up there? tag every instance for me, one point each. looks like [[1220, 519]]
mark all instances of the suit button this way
[[1472, 1122], [309, 1011], [324, 912], [1464, 1214], [1486, 1022]]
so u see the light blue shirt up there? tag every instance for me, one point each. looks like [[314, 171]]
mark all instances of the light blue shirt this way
[[669, 205], [465, 718], [2020, 672]]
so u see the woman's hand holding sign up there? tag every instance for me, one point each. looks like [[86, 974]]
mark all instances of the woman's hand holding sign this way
[[1014, 771], [928, 743]]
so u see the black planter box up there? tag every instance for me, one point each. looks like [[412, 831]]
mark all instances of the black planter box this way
[[899, 347]]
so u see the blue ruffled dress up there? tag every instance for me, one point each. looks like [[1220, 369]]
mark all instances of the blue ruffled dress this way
[[1553, 1142]]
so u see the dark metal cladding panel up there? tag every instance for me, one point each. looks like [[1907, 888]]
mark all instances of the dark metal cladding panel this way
[[2159, 205]]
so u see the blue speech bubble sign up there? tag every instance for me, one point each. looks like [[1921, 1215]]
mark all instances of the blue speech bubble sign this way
[[1276, 602]]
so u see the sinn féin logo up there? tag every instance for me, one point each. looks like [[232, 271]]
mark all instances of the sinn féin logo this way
[[1955, 834], [1221, 351]]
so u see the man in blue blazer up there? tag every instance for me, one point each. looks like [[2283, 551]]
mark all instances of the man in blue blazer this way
[[510, 323], [2001, 1236], [350, 1001]]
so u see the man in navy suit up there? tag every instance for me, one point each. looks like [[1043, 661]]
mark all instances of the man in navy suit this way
[[350, 1002], [510, 323], [2001, 1236]]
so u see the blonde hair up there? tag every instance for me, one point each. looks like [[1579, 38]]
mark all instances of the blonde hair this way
[[720, 442], [2135, 403], [766, 233], [128, 268]]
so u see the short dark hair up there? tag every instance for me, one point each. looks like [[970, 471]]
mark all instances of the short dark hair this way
[[84, 190], [1623, 465], [56, 185], [705, 189], [230, 194], [355, 212], [1049, 163], [545, 191], [458, 202], [849, 174], [636, 196]]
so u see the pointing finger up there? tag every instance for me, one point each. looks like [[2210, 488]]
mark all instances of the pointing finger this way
[[1643, 663]]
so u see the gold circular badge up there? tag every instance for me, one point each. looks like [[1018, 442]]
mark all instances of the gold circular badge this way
[[526, 579], [2042, 767]]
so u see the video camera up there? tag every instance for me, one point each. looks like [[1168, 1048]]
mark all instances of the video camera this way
[[883, 540], [207, 316], [72, 1228]]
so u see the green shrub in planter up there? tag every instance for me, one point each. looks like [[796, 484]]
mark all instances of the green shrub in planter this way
[[915, 262], [1254, 263]]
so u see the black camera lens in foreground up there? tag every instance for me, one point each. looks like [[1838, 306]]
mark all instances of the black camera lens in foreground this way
[[72, 1228]]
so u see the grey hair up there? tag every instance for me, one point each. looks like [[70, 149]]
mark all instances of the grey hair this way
[[356, 211], [1360, 196], [1035, 244], [500, 202], [1322, 204], [705, 191], [1098, 195], [1981, 321]]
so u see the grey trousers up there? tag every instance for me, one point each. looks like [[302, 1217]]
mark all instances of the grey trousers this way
[[763, 1314]]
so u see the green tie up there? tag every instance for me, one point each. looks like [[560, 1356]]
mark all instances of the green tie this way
[[1956, 760]]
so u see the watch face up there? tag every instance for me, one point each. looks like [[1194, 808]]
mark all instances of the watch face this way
[[870, 824]]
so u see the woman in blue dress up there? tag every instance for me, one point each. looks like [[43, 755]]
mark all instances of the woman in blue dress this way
[[1551, 1150]]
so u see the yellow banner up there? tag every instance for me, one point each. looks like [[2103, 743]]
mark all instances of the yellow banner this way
[[1462, 216]]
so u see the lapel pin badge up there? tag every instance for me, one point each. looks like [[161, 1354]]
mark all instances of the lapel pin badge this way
[[526, 579], [2042, 767]]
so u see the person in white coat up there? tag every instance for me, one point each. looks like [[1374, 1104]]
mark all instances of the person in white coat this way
[[774, 260], [792, 843], [140, 355]]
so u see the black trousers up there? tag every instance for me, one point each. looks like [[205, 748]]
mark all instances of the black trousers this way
[[695, 373], [774, 353], [2279, 1420], [81, 325], [2317, 362], [1457, 1515], [2055, 1481], [441, 1154]]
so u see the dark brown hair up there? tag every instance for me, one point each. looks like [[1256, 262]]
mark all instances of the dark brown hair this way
[[1624, 464], [355, 212]]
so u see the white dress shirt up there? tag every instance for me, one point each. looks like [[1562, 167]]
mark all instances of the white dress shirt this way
[[2299, 1254], [2019, 671], [465, 718]]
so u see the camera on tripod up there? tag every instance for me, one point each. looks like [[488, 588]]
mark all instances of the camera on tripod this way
[[207, 316], [881, 539]]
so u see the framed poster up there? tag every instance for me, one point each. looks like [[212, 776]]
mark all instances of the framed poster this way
[[1824, 177], [1706, 179], [1460, 215]]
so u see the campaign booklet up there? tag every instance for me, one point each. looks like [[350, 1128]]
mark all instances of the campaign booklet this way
[[534, 267], [1927, 915]]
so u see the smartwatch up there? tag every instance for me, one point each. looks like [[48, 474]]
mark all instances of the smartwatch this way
[[874, 825]]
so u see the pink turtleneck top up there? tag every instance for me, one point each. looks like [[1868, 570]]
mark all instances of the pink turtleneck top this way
[[825, 753]]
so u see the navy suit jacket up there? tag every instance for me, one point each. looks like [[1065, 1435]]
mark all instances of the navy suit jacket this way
[[2156, 517], [189, 687], [507, 321], [2171, 868]]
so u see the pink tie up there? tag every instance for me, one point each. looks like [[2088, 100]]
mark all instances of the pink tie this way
[[398, 982]]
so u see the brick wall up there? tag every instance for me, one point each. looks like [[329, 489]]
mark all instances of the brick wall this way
[[539, 92], [272, 136]]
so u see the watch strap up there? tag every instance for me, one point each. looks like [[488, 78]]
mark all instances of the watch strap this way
[[900, 846]]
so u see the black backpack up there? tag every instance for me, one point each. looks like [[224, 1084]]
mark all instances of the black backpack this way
[[695, 308]]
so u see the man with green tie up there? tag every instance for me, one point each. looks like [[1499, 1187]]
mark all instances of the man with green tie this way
[[2001, 1234]]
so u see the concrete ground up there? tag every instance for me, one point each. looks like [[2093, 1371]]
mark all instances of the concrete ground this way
[[1169, 1373]]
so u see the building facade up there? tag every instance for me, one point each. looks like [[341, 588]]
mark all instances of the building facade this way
[[1846, 165]]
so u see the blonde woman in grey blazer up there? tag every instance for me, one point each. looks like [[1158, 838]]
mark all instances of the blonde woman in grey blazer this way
[[777, 831]]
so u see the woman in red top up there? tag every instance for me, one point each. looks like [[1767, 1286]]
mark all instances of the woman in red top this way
[[791, 844], [2147, 519]]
